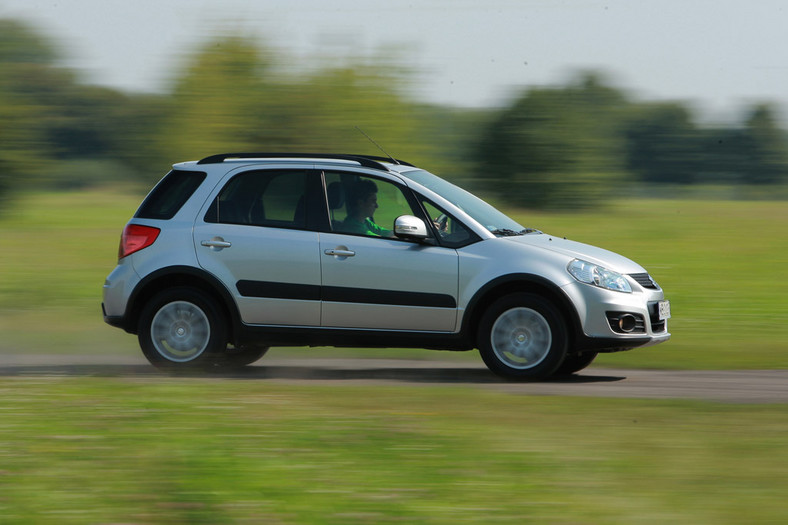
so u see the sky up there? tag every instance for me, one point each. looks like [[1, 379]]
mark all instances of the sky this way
[[722, 56]]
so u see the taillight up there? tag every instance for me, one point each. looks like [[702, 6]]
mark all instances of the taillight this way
[[136, 237]]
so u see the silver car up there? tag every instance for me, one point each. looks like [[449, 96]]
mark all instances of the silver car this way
[[235, 253]]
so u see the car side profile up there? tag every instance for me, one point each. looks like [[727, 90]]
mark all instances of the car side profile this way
[[235, 253]]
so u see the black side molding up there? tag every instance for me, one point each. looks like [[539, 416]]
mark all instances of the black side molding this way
[[337, 294], [302, 292]]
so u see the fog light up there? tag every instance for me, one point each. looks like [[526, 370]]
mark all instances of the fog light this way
[[627, 323]]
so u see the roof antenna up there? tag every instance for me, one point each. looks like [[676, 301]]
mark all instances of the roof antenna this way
[[378, 145]]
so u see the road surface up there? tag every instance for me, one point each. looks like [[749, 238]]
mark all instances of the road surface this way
[[736, 386]]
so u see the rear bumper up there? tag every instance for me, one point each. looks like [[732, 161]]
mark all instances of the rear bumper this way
[[117, 289], [118, 321]]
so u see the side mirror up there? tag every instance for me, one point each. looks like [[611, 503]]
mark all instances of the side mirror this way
[[410, 227]]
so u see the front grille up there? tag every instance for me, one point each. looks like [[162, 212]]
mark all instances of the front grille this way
[[657, 326], [644, 280]]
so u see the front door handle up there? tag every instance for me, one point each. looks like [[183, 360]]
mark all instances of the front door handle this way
[[338, 252]]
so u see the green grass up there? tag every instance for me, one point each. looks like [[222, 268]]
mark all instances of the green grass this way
[[192, 450], [157, 449], [721, 263]]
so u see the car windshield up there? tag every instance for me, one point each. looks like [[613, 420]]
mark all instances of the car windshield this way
[[485, 214]]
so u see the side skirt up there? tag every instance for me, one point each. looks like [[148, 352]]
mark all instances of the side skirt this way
[[295, 336]]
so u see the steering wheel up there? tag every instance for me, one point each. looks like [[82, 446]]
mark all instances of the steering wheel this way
[[441, 222]]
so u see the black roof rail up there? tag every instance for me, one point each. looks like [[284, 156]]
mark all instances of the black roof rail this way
[[390, 160], [368, 161]]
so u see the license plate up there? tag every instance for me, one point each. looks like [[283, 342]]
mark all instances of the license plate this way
[[664, 310]]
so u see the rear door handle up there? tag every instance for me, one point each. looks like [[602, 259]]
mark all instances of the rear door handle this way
[[217, 242], [340, 253]]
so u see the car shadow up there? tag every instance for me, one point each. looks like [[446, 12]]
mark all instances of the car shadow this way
[[412, 374]]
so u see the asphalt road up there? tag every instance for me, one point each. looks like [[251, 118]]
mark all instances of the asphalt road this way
[[749, 386]]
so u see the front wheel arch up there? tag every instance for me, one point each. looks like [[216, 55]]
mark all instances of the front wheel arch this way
[[521, 283]]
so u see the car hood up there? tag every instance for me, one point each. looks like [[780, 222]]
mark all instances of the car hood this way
[[578, 250]]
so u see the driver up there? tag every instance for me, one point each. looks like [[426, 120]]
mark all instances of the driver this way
[[361, 205]]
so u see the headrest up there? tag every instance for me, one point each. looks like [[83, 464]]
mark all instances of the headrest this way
[[336, 195]]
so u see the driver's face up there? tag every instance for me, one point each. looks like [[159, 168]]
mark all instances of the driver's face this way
[[369, 204]]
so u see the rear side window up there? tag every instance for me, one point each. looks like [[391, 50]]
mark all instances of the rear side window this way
[[263, 198], [170, 194]]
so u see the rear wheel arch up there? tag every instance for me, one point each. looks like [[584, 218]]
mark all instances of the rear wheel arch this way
[[183, 277]]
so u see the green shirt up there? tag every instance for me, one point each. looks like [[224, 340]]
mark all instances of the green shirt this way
[[368, 227]]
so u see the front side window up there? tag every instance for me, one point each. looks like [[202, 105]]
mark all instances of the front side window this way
[[451, 232], [262, 198], [364, 205]]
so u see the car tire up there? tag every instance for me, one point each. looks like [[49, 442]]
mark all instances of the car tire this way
[[575, 363], [240, 357], [181, 328], [522, 336]]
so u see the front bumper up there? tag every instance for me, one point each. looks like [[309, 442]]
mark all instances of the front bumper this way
[[598, 309]]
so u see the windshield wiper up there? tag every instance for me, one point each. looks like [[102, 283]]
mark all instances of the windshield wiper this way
[[505, 232]]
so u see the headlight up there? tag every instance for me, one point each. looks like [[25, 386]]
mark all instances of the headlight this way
[[589, 273]]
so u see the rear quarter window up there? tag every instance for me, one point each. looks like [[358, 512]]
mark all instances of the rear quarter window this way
[[170, 194]]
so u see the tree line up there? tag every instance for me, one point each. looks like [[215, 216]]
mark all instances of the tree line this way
[[560, 147]]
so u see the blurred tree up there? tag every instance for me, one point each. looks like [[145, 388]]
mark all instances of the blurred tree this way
[[20, 44], [26, 69], [90, 122], [562, 147], [663, 144], [765, 148], [556, 148], [217, 103], [755, 152], [333, 106], [236, 96], [47, 115]]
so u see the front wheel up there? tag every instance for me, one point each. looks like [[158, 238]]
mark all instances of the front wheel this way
[[575, 363], [522, 336], [181, 328], [240, 357]]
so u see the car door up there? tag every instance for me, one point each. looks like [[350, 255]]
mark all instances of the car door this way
[[371, 280], [255, 237]]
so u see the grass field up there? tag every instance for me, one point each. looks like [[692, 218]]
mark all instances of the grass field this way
[[722, 265], [168, 450], [158, 449]]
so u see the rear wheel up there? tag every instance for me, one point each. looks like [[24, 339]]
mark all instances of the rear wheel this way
[[522, 336], [181, 328]]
